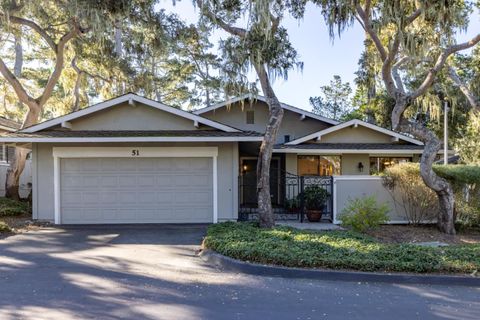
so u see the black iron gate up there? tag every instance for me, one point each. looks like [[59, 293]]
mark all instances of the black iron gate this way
[[287, 192]]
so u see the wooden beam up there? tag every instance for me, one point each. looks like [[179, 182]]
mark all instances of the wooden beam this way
[[319, 138], [394, 139], [302, 117], [66, 124], [132, 102], [196, 124]]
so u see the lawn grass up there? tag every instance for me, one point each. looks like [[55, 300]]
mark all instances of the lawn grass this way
[[10, 207], [336, 250]]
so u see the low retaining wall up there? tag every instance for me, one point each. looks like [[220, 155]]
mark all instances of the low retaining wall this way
[[351, 187]]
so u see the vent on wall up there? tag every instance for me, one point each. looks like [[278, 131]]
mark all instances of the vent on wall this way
[[286, 138], [250, 116]]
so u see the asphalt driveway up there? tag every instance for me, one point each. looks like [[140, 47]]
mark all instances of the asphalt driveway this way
[[152, 272]]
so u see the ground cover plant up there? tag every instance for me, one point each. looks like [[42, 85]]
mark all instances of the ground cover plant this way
[[291, 247]]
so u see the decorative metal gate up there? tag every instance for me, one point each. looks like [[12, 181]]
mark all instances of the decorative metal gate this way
[[287, 192]]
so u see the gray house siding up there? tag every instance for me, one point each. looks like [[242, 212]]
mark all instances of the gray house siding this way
[[133, 117], [292, 125], [227, 165]]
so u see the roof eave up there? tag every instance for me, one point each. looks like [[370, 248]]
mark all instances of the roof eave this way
[[124, 139]]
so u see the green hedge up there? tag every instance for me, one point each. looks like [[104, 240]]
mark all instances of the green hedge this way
[[458, 173], [9, 207], [336, 250]]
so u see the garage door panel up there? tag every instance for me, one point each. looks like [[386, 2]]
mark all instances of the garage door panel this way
[[136, 190]]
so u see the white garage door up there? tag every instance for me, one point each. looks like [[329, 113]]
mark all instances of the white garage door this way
[[136, 190]]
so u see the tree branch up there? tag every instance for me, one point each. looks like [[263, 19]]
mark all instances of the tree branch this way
[[22, 94], [396, 75], [49, 40], [240, 32], [463, 87], [365, 17], [441, 60], [59, 63]]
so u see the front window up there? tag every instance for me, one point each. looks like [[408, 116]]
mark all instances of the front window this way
[[3, 153], [319, 165], [379, 164]]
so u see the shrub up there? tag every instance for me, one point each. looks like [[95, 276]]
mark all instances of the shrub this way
[[465, 181], [10, 207], [419, 203], [315, 197], [362, 214], [4, 227]]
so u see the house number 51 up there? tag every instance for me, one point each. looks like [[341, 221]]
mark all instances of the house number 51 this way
[[135, 153]]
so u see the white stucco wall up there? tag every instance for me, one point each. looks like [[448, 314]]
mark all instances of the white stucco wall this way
[[43, 175]]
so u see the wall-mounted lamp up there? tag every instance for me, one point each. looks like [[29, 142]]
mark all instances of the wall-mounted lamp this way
[[360, 167], [244, 168]]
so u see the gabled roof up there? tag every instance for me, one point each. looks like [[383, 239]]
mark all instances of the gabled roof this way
[[9, 125], [263, 99], [130, 136], [131, 98], [354, 122]]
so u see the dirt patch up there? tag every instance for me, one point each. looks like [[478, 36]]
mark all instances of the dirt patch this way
[[415, 234], [20, 224]]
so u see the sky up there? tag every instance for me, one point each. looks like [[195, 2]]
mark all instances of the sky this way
[[322, 57]]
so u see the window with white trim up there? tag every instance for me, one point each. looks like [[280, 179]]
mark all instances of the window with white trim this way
[[4, 153], [250, 116]]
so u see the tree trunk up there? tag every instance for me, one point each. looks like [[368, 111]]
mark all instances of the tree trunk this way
[[17, 164], [267, 219], [12, 181], [445, 217]]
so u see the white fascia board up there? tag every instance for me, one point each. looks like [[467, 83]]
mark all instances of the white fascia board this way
[[353, 123], [131, 139], [347, 151], [127, 98], [263, 99]]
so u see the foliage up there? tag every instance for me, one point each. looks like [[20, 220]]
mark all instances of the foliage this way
[[408, 191], [10, 207], [459, 174], [363, 214], [315, 197], [292, 203], [465, 181], [468, 145], [419, 202], [335, 249], [335, 102], [4, 228]]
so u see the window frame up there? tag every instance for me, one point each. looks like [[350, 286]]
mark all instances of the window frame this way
[[250, 116]]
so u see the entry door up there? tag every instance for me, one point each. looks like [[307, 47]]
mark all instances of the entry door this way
[[248, 181]]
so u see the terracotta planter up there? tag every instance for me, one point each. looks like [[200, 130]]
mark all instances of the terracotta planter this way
[[314, 215], [294, 210]]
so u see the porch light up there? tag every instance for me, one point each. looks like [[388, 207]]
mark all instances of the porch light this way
[[360, 167], [245, 167]]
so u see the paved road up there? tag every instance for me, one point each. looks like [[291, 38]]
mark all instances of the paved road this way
[[152, 273]]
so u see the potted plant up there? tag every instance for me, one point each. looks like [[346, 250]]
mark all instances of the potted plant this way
[[293, 205], [315, 198]]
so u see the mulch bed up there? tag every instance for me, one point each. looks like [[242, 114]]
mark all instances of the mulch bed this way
[[415, 234], [20, 224]]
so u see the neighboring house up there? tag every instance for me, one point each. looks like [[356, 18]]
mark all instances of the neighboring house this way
[[135, 160], [7, 126]]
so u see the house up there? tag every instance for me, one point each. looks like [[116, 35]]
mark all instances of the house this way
[[135, 160]]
